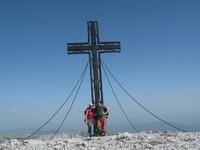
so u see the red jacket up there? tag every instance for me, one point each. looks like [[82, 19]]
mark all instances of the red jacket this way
[[89, 112]]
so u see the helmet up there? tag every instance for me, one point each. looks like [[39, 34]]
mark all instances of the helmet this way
[[90, 104]]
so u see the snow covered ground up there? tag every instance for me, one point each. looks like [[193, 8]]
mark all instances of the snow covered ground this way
[[122, 141]]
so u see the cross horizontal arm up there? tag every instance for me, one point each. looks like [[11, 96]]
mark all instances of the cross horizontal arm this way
[[82, 43], [108, 46], [78, 52], [78, 48]]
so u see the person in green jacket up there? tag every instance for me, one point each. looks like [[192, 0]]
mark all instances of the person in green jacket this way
[[101, 115]]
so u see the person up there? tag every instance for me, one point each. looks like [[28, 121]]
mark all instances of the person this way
[[89, 118], [101, 115]]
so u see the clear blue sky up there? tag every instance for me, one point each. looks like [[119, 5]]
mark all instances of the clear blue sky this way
[[159, 62]]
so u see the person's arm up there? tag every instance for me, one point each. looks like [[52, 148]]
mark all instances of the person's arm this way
[[86, 113], [106, 109]]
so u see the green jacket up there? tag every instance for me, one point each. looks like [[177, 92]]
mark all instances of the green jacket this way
[[100, 111]]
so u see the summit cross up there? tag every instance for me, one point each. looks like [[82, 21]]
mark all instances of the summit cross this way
[[94, 48]]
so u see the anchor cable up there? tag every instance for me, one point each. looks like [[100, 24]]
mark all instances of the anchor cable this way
[[72, 91], [70, 105], [137, 102], [128, 119]]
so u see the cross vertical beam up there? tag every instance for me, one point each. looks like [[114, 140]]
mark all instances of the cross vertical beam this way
[[93, 34], [94, 48]]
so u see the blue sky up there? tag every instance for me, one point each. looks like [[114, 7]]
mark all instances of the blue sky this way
[[159, 60]]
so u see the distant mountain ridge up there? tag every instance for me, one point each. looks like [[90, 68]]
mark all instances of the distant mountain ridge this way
[[112, 128], [153, 126]]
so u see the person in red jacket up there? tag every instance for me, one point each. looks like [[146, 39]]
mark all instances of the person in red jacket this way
[[89, 118]]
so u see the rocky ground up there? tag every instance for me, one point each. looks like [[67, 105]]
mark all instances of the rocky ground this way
[[122, 141]]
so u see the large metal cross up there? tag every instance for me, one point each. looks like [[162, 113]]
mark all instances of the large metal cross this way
[[94, 48]]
